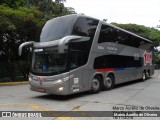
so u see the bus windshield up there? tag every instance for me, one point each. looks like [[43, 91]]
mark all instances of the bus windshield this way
[[48, 61]]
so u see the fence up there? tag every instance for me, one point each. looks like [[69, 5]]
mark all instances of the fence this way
[[13, 71]]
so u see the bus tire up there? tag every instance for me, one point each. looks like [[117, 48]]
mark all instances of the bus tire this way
[[108, 82], [96, 84], [144, 76], [148, 74]]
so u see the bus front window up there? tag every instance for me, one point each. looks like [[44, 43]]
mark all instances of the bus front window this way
[[48, 61]]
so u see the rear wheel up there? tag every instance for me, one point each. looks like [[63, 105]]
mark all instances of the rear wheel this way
[[109, 82], [96, 84], [148, 74], [144, 76]]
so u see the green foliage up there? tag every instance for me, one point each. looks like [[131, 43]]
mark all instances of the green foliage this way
[[12, 3], [157, 58], [146, 32], [24, 21], [49, 8], [20, 21], [13, 19]]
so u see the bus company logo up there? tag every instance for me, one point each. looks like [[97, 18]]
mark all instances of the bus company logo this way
[[147, 58], [111, 47]]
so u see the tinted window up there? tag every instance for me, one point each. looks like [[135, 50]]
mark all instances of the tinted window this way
[[48, 61], [128, 39], [110, 34], [117, 61], [79, 53], [107, 34], [85, 27], [80, 50], [77, 59]]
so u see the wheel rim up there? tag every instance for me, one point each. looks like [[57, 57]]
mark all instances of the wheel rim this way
[[108, 82], [144, 76], [95, 84]]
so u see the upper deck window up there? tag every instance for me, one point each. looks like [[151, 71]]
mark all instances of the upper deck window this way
[[60, 27], [85, 27], [111, 34]]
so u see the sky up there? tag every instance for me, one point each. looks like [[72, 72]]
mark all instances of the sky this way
[[141, 12]]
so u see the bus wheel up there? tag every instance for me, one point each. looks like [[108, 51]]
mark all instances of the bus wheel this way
[[144, 76], [96, 84], [148, 74], [108, 82]]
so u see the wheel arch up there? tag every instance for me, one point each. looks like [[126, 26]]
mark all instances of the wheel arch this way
[[111, 73], [98, 74]]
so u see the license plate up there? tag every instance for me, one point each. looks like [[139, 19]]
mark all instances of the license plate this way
[[41, 89]]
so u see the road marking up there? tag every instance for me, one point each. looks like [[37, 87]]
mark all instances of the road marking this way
[[30, 105], [77, 108], [39, 107]]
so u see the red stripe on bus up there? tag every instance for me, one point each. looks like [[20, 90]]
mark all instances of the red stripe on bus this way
[[105, 69]]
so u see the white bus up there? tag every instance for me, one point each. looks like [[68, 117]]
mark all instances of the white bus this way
[[78, 53]]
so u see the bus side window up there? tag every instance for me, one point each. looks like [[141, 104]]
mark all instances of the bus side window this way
[[107, 34]]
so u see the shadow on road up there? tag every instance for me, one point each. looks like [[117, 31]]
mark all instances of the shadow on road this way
[[62, 98], [130, 83]]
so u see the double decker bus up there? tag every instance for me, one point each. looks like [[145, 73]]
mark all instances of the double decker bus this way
[[77, 53]]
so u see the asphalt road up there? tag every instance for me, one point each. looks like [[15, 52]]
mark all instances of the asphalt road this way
[[135, 95]]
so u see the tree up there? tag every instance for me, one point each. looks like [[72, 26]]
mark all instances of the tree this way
[[49, 8], [16, 26], [12, 3], [20, 21]]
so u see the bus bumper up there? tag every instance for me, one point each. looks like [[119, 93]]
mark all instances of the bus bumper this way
[[51, 87]]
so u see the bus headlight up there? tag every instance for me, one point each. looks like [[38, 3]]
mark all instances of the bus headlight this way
[[30, 79], [60, 89], [57, 81]]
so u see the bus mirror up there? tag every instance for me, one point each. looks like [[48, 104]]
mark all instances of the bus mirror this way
[[22, 45], [68, 39]]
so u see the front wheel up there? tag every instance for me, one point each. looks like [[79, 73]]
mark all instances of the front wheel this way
[[108, 82], [96, 84]]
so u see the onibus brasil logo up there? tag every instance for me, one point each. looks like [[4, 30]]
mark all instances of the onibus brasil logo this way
[[147, 58]]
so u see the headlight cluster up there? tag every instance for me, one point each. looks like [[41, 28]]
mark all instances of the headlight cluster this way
[[57, 81], [29, 78]]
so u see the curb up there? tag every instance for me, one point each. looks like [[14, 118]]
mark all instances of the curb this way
[[13, 83]]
